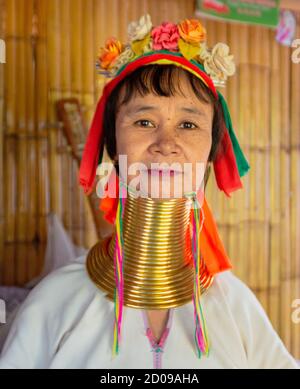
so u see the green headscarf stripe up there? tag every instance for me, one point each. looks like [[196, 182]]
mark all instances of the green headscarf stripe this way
[[242, 163]]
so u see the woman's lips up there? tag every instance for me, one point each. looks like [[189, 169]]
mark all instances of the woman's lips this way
[[163, 172]]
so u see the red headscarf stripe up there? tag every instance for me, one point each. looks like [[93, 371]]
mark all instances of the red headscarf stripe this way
[[225, 167]]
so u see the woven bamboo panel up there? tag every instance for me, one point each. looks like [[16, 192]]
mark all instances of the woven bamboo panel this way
[[260, 225], [2, 216], [51, 50]]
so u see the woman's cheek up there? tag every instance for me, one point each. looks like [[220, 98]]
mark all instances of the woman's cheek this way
[[130, 140], [125, 142], [198, 150], [133, 153]]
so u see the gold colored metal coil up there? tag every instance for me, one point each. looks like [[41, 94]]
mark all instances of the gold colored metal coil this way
[[158, 262]]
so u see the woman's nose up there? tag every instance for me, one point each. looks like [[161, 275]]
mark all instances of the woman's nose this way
[[165, 143]]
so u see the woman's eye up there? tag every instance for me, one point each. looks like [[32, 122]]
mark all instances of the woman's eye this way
[[143, 123], [147, 123], [189, 125]]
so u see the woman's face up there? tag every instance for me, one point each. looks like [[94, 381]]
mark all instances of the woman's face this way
[[174, 130]]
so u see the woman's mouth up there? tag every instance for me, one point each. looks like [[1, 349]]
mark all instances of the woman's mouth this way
[[163, 172]]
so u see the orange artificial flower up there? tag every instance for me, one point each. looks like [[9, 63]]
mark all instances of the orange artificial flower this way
[[192, 31], [112, 49]]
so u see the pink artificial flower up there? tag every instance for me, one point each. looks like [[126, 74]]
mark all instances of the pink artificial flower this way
[[165, 36]]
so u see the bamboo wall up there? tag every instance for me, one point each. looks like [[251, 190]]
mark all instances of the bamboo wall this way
[[51, 49], [2, 236], [260, 225]]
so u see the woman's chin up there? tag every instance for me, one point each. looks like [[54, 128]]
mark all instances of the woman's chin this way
[[162, 187]]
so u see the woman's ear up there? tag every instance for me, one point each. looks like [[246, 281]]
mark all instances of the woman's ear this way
[[116, 163], [207, 173]]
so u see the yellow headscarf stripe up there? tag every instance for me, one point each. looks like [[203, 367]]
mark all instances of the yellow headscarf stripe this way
[[165, 61]]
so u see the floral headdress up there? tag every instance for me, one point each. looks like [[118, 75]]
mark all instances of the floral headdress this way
[[187, 37], [183, 45]]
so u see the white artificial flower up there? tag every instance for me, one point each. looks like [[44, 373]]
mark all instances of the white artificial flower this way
[[138, 30], [218, 63]]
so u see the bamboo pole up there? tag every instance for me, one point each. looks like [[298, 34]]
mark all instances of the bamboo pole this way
[[23, 133], [42, 131], [37, 134], [54, 43], [74, 35], [295, 194], [275, 230], [235, 209], [68, 63], [285, 236], [2, 72], [89, 54], [295, 169], [254, 239], [79, 44], [87, 99], [231, 208], [220, 33], [11, 125], [32, 183], [244, 125]]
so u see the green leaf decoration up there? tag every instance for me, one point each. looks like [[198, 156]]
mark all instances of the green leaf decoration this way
[[138, 46], [187, 50]]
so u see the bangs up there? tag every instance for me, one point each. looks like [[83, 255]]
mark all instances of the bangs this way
[[162, 80]]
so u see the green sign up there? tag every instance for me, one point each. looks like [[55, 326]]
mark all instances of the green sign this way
[[262, 12]]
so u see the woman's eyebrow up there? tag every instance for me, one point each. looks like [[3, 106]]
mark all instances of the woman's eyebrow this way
[[140, 108], [192, 110]]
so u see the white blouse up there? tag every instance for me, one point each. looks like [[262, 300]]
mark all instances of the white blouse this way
[[67, 322]]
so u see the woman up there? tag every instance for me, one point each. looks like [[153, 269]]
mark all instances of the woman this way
[[163, 278]]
